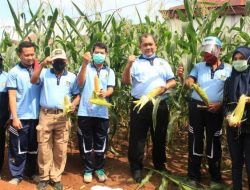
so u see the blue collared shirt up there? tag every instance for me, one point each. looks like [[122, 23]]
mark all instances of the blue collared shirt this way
[[54, 89], [212, 82], [107, 79], [27, 94], [147, 76]]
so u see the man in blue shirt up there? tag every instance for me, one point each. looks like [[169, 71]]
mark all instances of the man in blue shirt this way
[[93, 119], [146, 73], [4, 111], [210, 74], [24, 108], [54, 125]]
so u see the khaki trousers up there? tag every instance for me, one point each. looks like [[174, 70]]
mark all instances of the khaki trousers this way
[[52, 137]]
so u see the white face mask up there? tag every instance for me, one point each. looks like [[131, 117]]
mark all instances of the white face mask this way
[[240, 65]]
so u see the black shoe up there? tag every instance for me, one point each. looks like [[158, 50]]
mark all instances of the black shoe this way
[[137, 175], [191, 183], [42, 185], [57, 185]]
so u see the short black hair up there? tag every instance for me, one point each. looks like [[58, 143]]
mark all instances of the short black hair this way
[[25, 44], [145, 36], [101, 46]]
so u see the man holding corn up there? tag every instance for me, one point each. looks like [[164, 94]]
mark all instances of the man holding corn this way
[[4, 111], [210, 75], [53, 129], [150, 77], [95, 77]]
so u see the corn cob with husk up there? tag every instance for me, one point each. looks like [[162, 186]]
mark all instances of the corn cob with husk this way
[[146, 98], [235, 118], [96, 85], [66, 105], [95, 98], [201, 93]]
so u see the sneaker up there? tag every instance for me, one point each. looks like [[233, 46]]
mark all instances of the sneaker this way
[[57, 185], [15, 181], [87, 177], [217, 185], [101, 175], [42, 185]]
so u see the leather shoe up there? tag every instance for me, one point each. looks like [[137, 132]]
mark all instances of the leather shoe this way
[[137, 175]]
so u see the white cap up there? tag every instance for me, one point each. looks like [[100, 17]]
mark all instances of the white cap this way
[[58, 54]]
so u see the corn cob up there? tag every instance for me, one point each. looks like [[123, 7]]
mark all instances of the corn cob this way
[[95, 99], [146, 98], [96, 84], [201, 93], [66, 105], [236, 116]]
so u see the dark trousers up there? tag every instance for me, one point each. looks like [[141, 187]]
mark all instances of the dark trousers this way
[[140, 123], [239, 148], [95, 138], [199, 120], [23, 149], [2, 140]]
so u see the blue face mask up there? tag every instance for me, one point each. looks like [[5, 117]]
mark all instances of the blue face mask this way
[[99, 58]]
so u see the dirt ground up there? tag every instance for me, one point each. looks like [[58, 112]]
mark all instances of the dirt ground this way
[[118, 172]]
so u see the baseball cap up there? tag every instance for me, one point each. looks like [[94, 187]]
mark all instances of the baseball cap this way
[[58, 54]]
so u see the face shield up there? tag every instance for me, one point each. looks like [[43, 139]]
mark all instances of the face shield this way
[[211, 45], [212, 49]]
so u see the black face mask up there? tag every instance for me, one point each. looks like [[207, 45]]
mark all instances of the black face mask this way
[[59, 65]]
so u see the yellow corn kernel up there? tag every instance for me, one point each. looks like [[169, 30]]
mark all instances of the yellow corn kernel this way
[[238, 112], [66, 105], [96, 84], [201, 93]]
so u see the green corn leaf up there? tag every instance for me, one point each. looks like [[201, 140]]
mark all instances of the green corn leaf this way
[[51, 27], [145, 179]]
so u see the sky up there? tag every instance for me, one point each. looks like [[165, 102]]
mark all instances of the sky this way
[[126, 8]]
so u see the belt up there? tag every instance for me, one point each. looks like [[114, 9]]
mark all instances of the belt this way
[[51, 111]]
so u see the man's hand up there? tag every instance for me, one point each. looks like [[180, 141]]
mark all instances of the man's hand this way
[[103, 93], [131, 60], [214, 107], [47, 61], [86, 58], [16, 123], [180, 71]]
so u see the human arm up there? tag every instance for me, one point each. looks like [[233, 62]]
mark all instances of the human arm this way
[[16, 123], [126, 75], [35, 77], [82, 74]]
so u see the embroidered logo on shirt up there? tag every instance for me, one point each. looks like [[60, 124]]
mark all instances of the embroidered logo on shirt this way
[[4, 84], [67, 83], [223, 77]]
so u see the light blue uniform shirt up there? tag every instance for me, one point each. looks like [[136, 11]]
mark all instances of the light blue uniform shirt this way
[[27, 94], [107, 79], [54, 89], [3, 79], [146, 76], [211, 82]]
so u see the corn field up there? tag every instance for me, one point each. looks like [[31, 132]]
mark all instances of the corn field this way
[[49, 28]]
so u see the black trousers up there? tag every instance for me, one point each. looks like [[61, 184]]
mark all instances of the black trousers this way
[[2, 140], [94, 141], [201, 120], [239, 148], [140, 123]]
